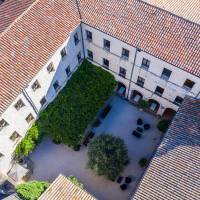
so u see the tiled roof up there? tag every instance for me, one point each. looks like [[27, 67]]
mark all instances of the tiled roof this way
[[63, 189], [155, 31], [174, 172], [29, 43], [10, 10], [187, 9]]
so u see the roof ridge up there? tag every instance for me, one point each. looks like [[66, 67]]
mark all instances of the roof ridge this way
[[19, 17]]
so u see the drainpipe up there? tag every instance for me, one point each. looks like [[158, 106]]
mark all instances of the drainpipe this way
[[137, 49], [83, 46], [30, 101]]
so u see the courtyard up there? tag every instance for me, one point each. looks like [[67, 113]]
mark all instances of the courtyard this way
[[50, 159]]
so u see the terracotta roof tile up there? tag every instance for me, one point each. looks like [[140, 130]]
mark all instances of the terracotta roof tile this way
[[174, 172], [63, 189], [155, 31], [10, 10], [30, 42]]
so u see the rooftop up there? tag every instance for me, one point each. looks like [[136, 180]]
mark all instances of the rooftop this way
[[62, 189], [25, 46], [187, 9], [174, 171], [10, 10]]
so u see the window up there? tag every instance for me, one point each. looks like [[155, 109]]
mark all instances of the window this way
[[50, 67], [68, 70], [79, 57], [29, 118], [43, 101], [105, 63], [166, 74], [1, 155], [19, 104], [90, 54], [76, 39], [63, 52], [89, 35], [188, 85], [106, 45], [56, 86], [178, 100], [125, 54], [159, 91], [140, 81], [145, 63], [3, 124], [122, 72], [35, 86], [15, 136]]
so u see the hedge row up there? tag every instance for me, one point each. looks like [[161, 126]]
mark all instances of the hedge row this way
[[76, 106]]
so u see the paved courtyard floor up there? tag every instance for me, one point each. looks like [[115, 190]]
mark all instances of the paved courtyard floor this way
[[50, 160]]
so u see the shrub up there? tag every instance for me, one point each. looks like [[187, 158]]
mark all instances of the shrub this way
[[31, 190], [143, 162], [163, 125], [143, 104], [76, 182], [107, 156], [28, 143], [76, 106]]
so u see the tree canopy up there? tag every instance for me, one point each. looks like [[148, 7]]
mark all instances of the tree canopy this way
[[31, 190], [107, 156]]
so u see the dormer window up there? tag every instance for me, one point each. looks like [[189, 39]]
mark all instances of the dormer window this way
[[3, 124], [63, 52], [35, 86], [19, 104], [50, 67]]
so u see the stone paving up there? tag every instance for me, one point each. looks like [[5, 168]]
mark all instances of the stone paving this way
[[50, 160]]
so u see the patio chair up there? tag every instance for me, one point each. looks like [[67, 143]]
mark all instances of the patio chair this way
[[119, 179], [147, 126], [123, 186], [139, 129], [128, 179], [137, 134], [139, 121]]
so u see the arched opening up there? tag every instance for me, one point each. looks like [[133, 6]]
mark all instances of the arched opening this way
[[136, 96], [153, 105], [121, 89], [169, 113]]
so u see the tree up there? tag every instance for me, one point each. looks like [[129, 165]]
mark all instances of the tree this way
[[75, 181], [31, 190], [107, 156]]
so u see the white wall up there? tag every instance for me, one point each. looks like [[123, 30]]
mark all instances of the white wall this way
[[16, 119], [173, 87]]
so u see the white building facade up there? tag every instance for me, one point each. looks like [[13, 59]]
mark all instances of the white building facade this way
[[42, 90], [140, 76]]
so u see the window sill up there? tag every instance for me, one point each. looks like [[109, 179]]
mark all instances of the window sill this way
[[158, 94], [121, 75], [125, 58], [145, 68], [106, 49], [140, 85]]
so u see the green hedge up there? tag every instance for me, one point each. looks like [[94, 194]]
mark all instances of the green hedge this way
[[31, 190], [67, 117], [28, 143], [75, 181], [163, 125]]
